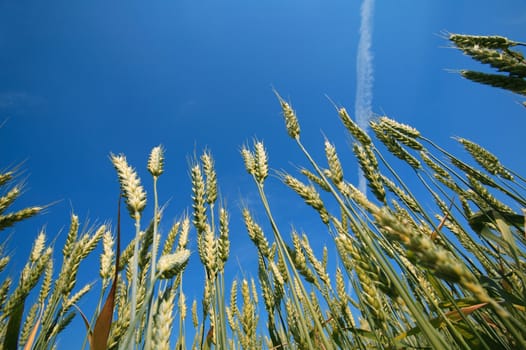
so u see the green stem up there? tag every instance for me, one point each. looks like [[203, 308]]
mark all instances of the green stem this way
[[221, 322], [434, 338], [135, 263], [155, 243], [284, 253], [130, 333]]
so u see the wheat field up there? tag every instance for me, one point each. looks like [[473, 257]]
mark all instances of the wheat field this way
[[440, 269]]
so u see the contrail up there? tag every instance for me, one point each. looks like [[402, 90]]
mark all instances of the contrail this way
[[365, 76]]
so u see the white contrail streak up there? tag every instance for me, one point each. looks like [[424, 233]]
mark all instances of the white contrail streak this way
[[364, 75]]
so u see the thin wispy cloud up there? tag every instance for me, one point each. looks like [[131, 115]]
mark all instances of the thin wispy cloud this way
[[364, 74], [17, 101], [11, 99]]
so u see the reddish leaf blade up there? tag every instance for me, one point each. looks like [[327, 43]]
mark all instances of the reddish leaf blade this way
[[101, 331]]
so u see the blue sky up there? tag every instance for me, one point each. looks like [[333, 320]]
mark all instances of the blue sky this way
[[79, 80]]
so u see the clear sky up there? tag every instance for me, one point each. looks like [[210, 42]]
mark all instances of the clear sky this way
[[81, 79]]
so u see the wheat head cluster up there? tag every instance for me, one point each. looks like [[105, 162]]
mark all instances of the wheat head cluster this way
[[444, 268]]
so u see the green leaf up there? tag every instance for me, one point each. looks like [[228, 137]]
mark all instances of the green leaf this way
[[13, 327], [453, 315]]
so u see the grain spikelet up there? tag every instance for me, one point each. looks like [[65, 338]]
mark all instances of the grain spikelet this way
[[248, 318], [5, 177], [400, 127], [106, 258], [10, 219], [181, 303], [169, 242], [261, 160], [156, 161], [489, 41], [316, 264], [71, 237], [309, 195], [255, 232], [369, 167], [249, 159], [211, 177], [76, 297], [163, 321], [430, 163], [8, 199], [195, 318], [335, 167], [300, 261], [402, 195], [198, 199], [130, 185], [314, 178], [38, 247], [46, 283], [232, 311], [170, 265], [185, 229], [487, 198], [223, 245], [353, 128], [291, 121], [485, 159]]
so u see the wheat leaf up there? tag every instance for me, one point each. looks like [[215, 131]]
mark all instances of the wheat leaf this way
[[13, 327], [86, 323]]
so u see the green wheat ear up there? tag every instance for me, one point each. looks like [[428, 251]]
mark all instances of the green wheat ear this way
[[12, 191], [13, 329], [513, 84], [496, 52]]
